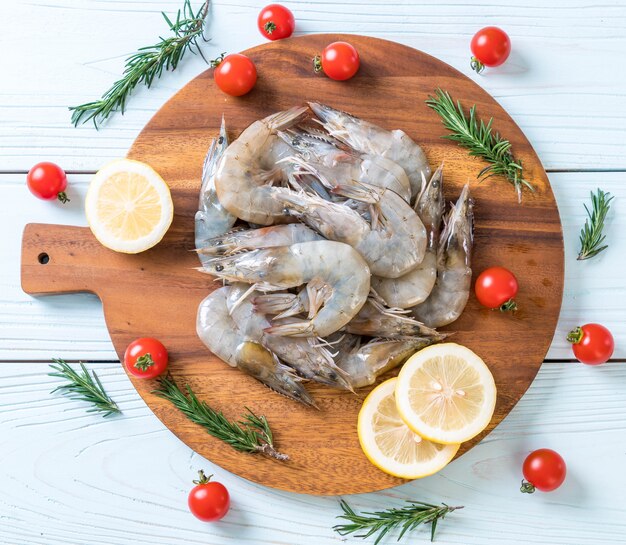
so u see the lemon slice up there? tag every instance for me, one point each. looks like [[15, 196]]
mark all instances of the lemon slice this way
[[128, 206], [446, 393], [389, 443]]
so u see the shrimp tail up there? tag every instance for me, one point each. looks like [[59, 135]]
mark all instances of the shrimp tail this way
[[359, 191], [283, 120], [317, 293], [299, 328], [277, 303]]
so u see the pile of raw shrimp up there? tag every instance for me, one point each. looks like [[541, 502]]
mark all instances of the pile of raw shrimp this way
[[337, 255]]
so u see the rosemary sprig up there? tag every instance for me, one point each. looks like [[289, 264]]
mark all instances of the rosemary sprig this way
[[591, 237], [382, 522], [84, 387], [251, 434], [480, 140], [147, 64]]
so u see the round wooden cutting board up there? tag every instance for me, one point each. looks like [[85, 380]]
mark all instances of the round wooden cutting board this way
[[156, 293]]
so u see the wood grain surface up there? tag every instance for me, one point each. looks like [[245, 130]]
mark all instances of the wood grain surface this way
[[156, 293]]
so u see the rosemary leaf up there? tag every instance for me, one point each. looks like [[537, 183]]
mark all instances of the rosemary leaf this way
[[591, 237], [481, 141], [382, 522], [251, 434], [83, 387], [147, 64]]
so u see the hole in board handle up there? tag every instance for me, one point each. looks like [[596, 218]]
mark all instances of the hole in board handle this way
[[43, 258]]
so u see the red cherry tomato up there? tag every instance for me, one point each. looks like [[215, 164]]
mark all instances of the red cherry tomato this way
[[339, 61], [276, 22], [146, 358], [592, 344], [543, 469], [490, 46], [208, 500], [47, 181], [234, 74], [496, 287]]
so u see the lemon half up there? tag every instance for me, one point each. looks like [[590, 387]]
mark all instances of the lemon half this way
[[128, 206], [391, 445], [446, 393]]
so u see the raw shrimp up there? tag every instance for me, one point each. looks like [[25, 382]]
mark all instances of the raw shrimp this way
[[253, 239], [415, 286], [369, 138], [321, 262], [393, 247], [373, 320], [454, 260], [223, 336], [308, 358], [366, 363], [331, 165], [248, 169], [212, 218]]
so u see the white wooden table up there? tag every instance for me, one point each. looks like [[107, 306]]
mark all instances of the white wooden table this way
[[67, 477]]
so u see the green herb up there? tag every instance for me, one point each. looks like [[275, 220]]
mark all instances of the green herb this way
[[84, 387], [147, 64], [591, 237], [251, 434], [381, 522], [480, 140]]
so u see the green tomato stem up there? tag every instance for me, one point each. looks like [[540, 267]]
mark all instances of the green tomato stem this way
[[575, 336], [476, 65], [510, 305], [202, 478], [144, 362], [317, 64]]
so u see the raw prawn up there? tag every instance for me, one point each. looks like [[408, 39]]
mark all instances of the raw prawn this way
[[333, 166], [253, 239], [309, 359], [373, 320], [212, 218], [415, 286], [225, 338], [368, 138], [320, 263], [393, 247], [366, 363], [248, 169], [454, 273]]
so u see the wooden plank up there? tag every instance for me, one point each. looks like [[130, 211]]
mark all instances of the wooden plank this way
[[564, 84], [72, 326], [68, 477]]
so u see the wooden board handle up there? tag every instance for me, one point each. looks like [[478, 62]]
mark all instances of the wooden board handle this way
[[60, 259]]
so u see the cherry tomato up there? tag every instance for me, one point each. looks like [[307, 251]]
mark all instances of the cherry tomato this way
[[543, 469], [490, 46], [208, 500], [276, 22], [495, 288], [47, 181], [234, 74], [592, 344], [146, 358], [339, 61]]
